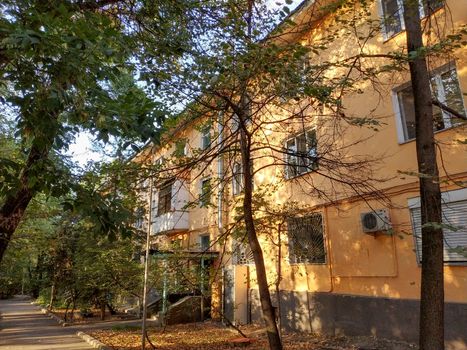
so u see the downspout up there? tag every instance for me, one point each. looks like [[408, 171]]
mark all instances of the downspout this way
[[146, 268], [220, 193], [220, 171]]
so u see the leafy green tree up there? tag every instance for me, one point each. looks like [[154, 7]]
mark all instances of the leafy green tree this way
[[65, 67]]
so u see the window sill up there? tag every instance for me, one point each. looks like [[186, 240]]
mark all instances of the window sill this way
[[287, 178], [307, 264], [448, 264], [436, 132]]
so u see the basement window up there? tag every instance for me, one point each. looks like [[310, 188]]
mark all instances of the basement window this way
[[242, 254]]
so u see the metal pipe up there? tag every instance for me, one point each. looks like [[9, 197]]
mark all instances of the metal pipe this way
[[146, 270], [220, 171]]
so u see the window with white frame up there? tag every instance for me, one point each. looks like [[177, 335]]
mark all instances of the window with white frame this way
[[445, 89], [206, 190], [301, 154], [393, 14], [206, 137], [306, 239], [454, 221]]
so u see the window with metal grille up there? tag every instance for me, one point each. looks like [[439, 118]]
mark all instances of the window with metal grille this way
[[454, 209], [301, 154], [306, 240], [243, 254], [164, 204]]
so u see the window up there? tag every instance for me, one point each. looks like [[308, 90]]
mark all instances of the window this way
[[393, 14], [206, 137], [205, 197], [243, 254], [445, 88], [454, 218], [204, 242], [164, 204], [139, 216], [181, 148], [238, 182], [237, 179], [301, 154], [306, 240]]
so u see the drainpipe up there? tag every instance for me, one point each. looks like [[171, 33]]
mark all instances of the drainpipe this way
[[146, 271], [202, 288], [220, 190], [220, 171], [164, 288]]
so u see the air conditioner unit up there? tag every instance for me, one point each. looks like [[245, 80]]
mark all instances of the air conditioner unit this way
[[376, 221]]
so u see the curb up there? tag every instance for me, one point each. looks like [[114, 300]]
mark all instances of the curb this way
[[54, 317], [92, 341]]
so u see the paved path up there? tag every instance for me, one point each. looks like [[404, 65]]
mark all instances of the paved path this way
[[24, 327]]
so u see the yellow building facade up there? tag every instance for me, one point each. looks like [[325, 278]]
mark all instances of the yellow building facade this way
[[341, 259]]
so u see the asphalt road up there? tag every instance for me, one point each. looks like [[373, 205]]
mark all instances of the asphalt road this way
[[24, 327]]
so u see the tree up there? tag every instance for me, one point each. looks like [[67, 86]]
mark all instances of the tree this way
[[65, 67], [432, 286]]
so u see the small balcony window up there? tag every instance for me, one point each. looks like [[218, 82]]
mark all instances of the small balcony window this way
[[205, 242], [164, 204]]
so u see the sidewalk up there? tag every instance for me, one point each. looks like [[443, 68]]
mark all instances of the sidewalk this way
[[24, 327]]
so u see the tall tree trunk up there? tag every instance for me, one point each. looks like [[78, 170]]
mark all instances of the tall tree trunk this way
[[102, 308], [15, 204], [432, 284], [264, 295], [53, 293]]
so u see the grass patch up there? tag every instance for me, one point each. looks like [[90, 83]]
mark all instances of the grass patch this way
[[124, 327]]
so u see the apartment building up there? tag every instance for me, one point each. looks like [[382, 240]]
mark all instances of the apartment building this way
[[339, 261]]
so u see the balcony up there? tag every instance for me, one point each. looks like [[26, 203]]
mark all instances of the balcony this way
[[169, 214]]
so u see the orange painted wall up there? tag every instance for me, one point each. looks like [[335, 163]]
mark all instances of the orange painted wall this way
[[359, 264]]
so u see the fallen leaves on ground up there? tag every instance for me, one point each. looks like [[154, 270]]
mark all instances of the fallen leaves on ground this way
[[214, 336]]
